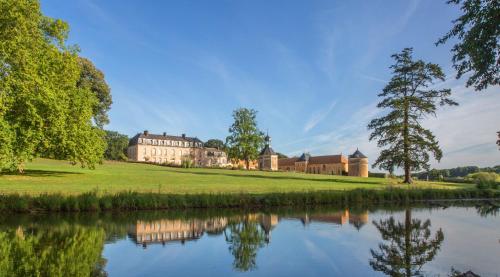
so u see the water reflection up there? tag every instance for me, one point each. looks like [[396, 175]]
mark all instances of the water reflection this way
[[407, 246], [61, 251], [72, 245]]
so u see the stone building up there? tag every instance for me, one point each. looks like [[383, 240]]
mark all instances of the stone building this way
[[268, 159], [331, 164], [355, 165], [358, 164], [167, 149]]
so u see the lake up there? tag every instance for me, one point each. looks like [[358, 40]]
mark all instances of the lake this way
[[323, 241]]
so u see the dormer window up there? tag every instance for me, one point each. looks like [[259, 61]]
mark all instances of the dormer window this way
[[139, 140]]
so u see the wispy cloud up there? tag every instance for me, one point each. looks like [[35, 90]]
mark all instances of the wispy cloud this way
[[372, 78], [319, 116], [466, 133]]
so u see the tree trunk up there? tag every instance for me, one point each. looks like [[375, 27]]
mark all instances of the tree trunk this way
[[247, 164], [408, 242], [406, 145]]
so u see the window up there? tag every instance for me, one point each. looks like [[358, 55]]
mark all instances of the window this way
[[139, 140]]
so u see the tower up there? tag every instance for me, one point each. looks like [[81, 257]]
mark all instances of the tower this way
[[268, 159], [358, 164]]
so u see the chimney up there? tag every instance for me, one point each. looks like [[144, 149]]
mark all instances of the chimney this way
[[183, 136], [164, 134], [146, 132]]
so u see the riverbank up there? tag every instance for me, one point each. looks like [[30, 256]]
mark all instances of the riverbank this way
[[94, 202], [57, 186], [44, 176]]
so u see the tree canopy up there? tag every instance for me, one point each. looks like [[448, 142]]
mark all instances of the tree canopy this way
[[215, 143], [245, 139], [477, 50], [93, 79], [116, 146], [42, 108], [408, 98]]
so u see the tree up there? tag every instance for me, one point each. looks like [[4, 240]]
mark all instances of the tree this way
[[409, 246], [477, 49], [42, 110], [93, 79], [116, 146], [498, 141], [409, 99], [215, 143], [245, 139]]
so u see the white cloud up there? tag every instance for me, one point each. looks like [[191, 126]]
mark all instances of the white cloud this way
[[466, 133], [319, 116]]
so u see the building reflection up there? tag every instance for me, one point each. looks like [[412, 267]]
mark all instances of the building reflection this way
[[181, 230]]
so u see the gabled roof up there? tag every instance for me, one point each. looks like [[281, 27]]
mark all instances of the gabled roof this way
[[357, 154], [267, 151]]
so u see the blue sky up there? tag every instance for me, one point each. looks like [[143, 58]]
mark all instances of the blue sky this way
[[312, 69]]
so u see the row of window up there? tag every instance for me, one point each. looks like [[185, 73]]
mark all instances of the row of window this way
[[170, 142], [165, 152]]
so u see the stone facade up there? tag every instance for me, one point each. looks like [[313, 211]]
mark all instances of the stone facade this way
[[268, 159], [331, 164], [355, 165], [358, 164], [167, 149]]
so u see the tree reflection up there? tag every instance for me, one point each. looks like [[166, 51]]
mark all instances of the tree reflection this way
[[245, 238], [409, 246], [488, 209], [65, 251]]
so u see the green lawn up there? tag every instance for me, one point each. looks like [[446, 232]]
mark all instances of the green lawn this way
[[51, 176]]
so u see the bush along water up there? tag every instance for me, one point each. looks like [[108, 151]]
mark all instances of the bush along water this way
[[485, 180], [93, 201]]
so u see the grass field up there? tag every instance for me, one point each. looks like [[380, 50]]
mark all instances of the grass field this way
[[51, 176]]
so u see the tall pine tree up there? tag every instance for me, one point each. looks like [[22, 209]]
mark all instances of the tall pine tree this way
[[408, 99]]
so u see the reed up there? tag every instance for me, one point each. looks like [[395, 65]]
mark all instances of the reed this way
[[125, 201]]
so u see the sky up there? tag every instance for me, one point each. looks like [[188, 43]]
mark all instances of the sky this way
[[312, 69]]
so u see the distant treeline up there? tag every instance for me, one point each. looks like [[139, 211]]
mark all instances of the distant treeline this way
[[457, 172]]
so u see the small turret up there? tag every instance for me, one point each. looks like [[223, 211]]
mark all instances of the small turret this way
[[358, 164], [268, 159]]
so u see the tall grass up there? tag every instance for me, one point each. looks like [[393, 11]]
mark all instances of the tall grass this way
[[93, 201]]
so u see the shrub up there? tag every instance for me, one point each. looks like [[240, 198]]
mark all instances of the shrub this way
[[187, 163], [377, 174], [484, 180]]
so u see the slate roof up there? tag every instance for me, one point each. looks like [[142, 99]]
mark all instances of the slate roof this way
[[304, 157], [134, 140], [357, 154], [267, 151]]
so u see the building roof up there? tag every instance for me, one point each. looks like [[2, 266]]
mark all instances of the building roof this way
[[287, 161], [304, 157], [267, 151], [357, 154], [329, 159], [134, 140]]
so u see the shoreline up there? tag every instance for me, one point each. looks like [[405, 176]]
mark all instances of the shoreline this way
[[132, 201]]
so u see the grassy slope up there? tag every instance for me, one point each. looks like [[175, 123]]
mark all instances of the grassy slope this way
[[49, 176]]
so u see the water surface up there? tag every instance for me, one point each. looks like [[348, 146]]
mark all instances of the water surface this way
[[323, 241]]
